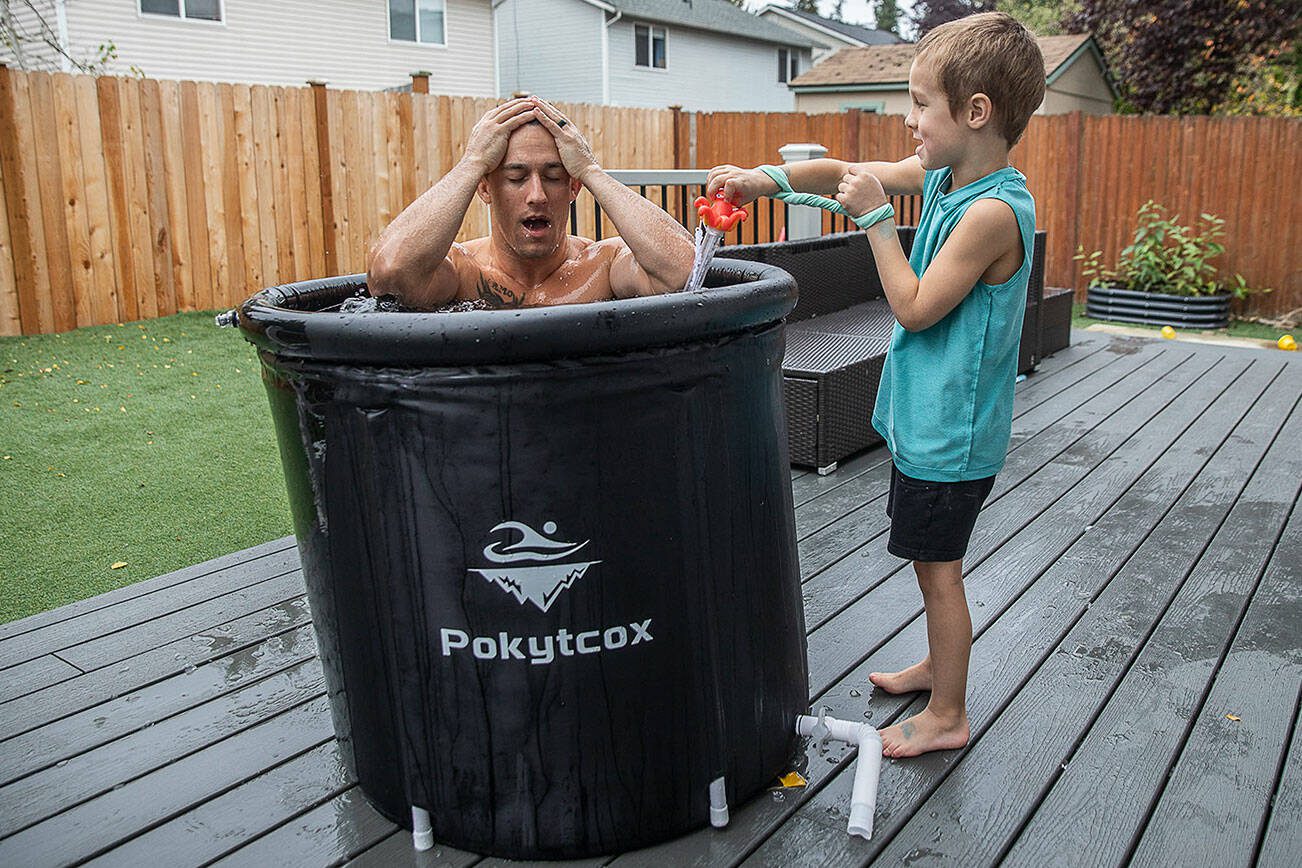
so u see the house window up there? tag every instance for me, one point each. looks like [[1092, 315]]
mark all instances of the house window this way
[[201, 10], [417, 21], [788, 64], [649, 49]]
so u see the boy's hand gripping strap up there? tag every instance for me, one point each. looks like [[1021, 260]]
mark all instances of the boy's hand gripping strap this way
[[786, 194]]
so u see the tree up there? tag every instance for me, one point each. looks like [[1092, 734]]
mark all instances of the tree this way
[[28, 37], [1042, 17], [886, 16], [836, 13], [1183, 56], [930, 14], [810, 6], [1268, 84]]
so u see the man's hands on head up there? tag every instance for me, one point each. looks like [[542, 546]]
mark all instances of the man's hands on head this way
[[486, 144], [576, 153], [740, 186]]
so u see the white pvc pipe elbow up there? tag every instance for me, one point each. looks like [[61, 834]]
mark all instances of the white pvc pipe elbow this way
[[863, 796]]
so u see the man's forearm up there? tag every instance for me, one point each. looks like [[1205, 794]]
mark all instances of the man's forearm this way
[[417, 241], [656, 240]]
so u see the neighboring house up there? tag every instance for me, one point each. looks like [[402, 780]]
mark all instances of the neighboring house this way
[[877, 79], [363, 44], [704, 55], [833, 35]]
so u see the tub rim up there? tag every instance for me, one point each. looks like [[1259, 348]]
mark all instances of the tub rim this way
[[740, 296]]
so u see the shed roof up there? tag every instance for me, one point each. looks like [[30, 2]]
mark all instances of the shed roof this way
[[889, 64]]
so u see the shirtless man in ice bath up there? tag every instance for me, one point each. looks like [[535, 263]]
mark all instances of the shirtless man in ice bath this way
[[528, 163]]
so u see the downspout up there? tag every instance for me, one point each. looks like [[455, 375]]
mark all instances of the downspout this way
[[863, 796], [497, 51], [605, 57], [61, 30]]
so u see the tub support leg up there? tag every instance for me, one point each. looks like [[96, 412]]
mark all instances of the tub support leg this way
[[718, 803], [422, 833]]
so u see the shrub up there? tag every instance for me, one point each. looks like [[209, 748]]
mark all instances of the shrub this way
[[1167, 256]]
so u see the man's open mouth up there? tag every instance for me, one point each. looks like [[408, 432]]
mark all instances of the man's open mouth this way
[[536, 225]]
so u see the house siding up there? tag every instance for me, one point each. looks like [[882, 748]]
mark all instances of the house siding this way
[[834, 42], [345, 42], [551, 49], [704, 72], [886, 102], [35, 55], [1080, 88]]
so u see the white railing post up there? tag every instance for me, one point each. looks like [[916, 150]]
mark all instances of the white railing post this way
[[803, 221]]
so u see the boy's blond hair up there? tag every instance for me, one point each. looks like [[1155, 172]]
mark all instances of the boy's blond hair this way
[[990, 53]]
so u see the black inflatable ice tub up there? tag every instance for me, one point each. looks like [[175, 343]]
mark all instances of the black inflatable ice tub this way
[[550, 554]]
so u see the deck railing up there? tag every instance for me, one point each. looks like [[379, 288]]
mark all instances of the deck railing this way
[[675, 190]]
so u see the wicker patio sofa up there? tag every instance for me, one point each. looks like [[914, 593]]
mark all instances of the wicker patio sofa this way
[[837, 338]]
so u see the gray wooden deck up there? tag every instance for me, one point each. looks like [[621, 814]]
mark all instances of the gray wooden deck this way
[[1135, 684]]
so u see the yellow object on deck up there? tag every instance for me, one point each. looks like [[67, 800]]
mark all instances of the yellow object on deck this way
[[1286, 343], [1168, 332], [792, 779]]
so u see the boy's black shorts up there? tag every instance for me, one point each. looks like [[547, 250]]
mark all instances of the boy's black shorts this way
[[932, 521]]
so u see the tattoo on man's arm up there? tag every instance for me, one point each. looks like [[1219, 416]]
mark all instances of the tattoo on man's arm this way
[[496, 295]]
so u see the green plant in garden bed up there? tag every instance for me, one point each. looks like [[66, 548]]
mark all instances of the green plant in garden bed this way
[[1167, 257], [148, 446]]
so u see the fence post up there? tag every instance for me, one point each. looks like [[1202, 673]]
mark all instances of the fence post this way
[[23, 216], [678, 135], [420, 81], [851, 120], [325, 176], [803, 221]]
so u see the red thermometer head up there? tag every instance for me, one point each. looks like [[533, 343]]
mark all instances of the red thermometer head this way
[[719, 214]]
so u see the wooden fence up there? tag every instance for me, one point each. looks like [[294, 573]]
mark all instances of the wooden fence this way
[[132, 198], [129, 199], [1089, 175]]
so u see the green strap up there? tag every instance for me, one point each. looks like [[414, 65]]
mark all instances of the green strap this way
[[791, 197]]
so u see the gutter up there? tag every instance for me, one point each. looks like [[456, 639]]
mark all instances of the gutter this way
[[605, 54]]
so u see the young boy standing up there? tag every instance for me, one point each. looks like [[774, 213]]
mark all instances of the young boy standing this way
[[945, 402]]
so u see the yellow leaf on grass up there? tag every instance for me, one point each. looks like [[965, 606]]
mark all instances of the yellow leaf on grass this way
[[1233, 717], [118, 565]]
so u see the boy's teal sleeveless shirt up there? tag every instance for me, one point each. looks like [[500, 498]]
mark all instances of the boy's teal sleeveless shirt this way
[[945, 402]]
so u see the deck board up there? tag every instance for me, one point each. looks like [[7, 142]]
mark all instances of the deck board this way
[[1017, 759], [1279, 846], [1134, 577], [1010, 580], [1227, 769], [222, 644]]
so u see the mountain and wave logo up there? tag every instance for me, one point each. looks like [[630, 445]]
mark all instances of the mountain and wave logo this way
[[531, 567]]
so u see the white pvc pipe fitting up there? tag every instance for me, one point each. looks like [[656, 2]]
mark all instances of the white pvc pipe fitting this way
[[863, 796], [422, 833], [718, 803]]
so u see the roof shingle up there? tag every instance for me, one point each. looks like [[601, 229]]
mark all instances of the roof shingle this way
[[889, 64]]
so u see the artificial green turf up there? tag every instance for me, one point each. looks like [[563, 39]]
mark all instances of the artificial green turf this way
[[1238, 328], [148, 444]]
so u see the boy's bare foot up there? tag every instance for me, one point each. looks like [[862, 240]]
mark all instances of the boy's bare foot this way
[[916, 677], [922, 733]]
